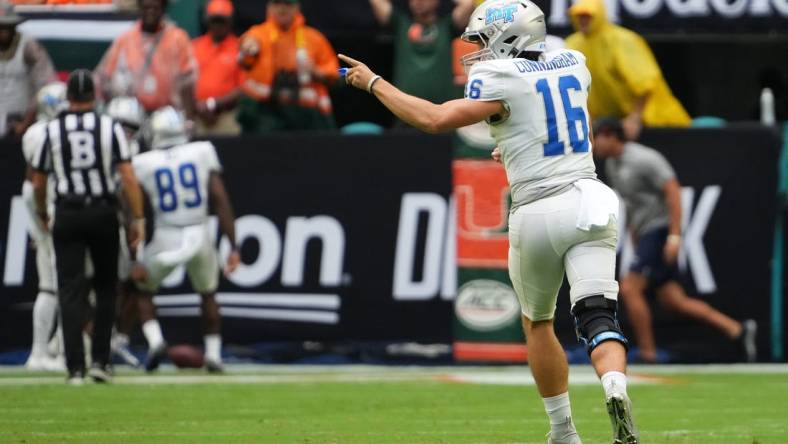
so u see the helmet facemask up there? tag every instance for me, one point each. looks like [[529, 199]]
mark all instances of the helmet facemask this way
[[486, 53]]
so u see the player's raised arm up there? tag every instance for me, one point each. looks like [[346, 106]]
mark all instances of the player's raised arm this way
[[419, 113]]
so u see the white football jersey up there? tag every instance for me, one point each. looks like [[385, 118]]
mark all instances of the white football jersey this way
[[544, 136], [176, 180], [33, 139]]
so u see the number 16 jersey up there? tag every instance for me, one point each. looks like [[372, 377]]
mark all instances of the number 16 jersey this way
[[544, 134], [176, 181]]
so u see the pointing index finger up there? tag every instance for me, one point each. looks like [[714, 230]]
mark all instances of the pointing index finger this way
[[348, 60]]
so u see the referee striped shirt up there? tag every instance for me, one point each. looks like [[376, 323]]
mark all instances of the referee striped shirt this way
[[80, 151]]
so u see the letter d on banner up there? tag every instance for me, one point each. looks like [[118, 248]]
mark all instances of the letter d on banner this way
[[433, 206], [19, 224]]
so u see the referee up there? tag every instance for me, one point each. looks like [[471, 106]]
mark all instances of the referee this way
[[82, 151]]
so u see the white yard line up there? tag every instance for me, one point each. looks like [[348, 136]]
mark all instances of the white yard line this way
[[301, 374]]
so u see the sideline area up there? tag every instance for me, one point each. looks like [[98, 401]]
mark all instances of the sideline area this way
[[307, 374]]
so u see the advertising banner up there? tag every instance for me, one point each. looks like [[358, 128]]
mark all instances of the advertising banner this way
[[678, 16], [357, 238], [645, 16], [728, 178]]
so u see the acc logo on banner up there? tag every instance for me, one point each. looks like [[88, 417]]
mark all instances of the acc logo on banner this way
[[486, 305]]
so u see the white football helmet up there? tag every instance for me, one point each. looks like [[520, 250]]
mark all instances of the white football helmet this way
[[505, 28], [51, 100], [167, 128], [128, 111]]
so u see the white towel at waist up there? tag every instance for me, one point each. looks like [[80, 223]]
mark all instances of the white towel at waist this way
[[598, 205]]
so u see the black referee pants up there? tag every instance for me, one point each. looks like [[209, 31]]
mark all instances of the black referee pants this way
[[89, 229]]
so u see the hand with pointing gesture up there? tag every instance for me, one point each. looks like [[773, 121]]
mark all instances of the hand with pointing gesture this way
[[359, 75]]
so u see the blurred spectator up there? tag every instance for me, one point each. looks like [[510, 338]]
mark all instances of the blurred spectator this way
[[25, 67], [652, 194], [423, 45], [628, 83], [288, 69], [152, 61], [219, 79]]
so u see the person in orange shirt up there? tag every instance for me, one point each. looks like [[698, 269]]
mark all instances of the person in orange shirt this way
[[152, 61], [288, 67], [219, 80]]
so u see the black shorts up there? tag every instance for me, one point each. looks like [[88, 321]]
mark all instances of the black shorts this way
[[650, 259]]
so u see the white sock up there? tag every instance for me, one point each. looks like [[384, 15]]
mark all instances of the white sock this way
[[87, 344], [560, 413], [213, 347], [152, 331], [44, 311], [55, 346], [614, 382]]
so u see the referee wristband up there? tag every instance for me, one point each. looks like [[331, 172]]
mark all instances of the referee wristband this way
[[372, 83], [674, 239]]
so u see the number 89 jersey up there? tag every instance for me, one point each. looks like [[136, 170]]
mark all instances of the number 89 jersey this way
[[544, 136], [176, 180]]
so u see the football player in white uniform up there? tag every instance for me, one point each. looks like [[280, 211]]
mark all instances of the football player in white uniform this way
[[128, 111], [563, 220], [180, 178], [51, 100], [131, 115]]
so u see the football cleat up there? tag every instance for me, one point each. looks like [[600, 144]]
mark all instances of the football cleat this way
[[619, 407], [101, 374], [37, 363], [569, 438], [154, 357], [214, 366], [76, 379], [122, 351]]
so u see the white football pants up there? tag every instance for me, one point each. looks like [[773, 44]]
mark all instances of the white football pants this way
[[174, 246], [546, 240]]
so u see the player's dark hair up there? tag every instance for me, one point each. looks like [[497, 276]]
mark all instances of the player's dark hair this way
[[609, 125]]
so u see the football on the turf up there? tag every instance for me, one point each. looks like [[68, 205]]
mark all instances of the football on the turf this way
[[185, 356]]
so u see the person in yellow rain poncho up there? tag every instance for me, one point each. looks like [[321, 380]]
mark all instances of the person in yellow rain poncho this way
[[627, 81]]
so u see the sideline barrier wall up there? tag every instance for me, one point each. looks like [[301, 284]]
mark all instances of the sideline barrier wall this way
[[353, 238]]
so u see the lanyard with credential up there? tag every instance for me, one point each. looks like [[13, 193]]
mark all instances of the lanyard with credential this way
[[149, 84]]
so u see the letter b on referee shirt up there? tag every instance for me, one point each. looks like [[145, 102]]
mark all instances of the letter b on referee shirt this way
[[82, 153]]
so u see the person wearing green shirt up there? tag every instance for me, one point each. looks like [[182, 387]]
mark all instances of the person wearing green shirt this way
[[423, 45]]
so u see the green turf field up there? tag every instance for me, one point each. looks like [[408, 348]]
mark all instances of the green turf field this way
[[386, 405]]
